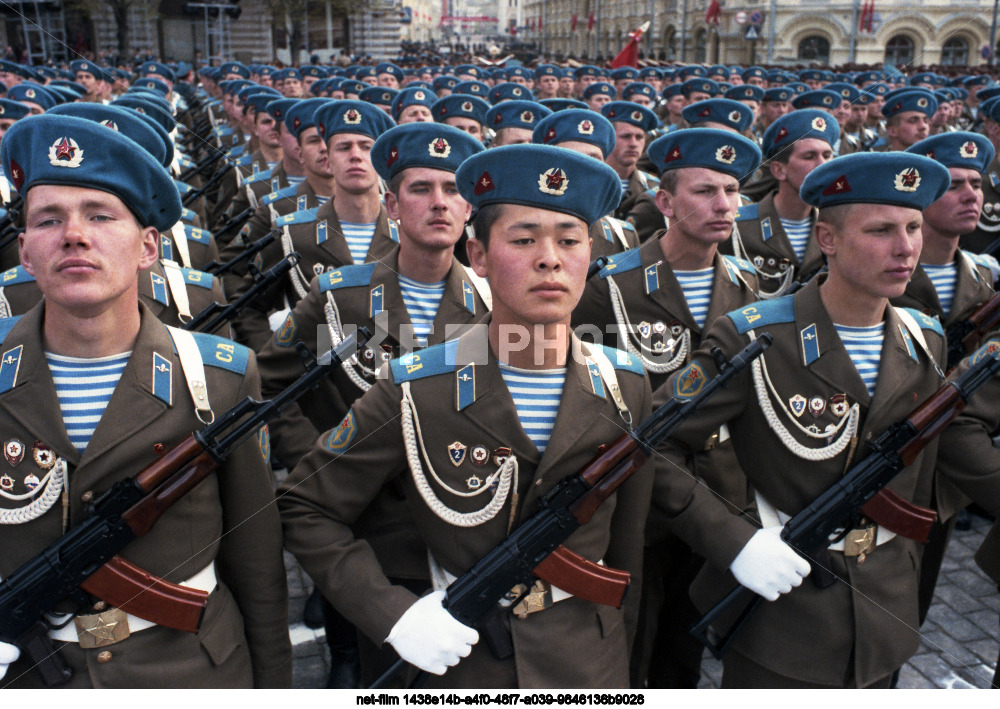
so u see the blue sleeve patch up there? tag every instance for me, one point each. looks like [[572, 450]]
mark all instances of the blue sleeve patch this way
[[428, 362], [6, 325], [197, 278], [302, 216], [262, 176], [620, 359], [222, 353], [925, 321], [741, 264], [620, 263], [747, 212], [202, 236], [347, 277], [13, 276], [763, 312]]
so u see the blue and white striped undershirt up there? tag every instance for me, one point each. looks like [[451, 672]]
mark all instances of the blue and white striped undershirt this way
[[422, 301], [625, 181], [864, 345], [359, 238], [536, 394], [295, 179], [697, 287], [84, 388], [321, 200], [944, 279], [798, 231]]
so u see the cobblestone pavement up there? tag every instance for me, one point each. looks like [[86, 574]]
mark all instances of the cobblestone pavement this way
[[958, 650]]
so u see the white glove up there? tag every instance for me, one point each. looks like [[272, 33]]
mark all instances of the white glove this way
[[428, 637], [768, 566], [8, 656]]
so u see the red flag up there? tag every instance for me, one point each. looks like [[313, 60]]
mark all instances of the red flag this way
[[867, 16], [870, 26], [629, 56], [713, 12], [531, 24], [573, 19], [590, 22], [539, 24]]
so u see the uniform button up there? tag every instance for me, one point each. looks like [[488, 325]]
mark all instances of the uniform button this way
[[104, 657], [100, 606], [87, 497]]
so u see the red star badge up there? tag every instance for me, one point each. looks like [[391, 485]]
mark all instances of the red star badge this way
[[64, 151]]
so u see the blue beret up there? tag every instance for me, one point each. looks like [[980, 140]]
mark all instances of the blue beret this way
[[782, 93], [804, 123], [35, 93], [753, 72], [246, 92], [470, 69], [266, 70], [650, 71], [142, 129], [353, 86], [817, 98], [12, 110], [713, 148], [560, 104], [76, 88], [894, 178], [797, 87], [516, 114], [990, 109], [432, 145], [732, 114], [876, 89], [746, 92], [303, 115], [412, 96], [848, 92], [445, 81], [974, 81], [812, 75], [692, 71], [909, 99], [156, 107], [258, 101], [389, 68], [719, 70], [508, 91], [279, 108], [580, 124], [379, 95], [471, 88], [566, 181], [460, 106], [234, 68], [957, 149], [671, 90], [289, 73], [316, 72], [699, 84], [639, 88], [586, 70], [548, 70], [987, 93], [599, 88], [867, 77], [163, 70], [519, 71], [349, 116], [47, 72], [625, 72], [49, 150], [89, 67], [927, 77], [631, 113], [234, 86]]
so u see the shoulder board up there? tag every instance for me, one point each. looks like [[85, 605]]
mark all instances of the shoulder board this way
[[303, 216], [222, 131], [183, 187], [288, 191], [236, 151], [6, 325], [188, 214], [622, 360], [653, 190], [222, 353], [763, 312], [621, 222], [650, 177], [437, 359], [979, 259], [741, 264], [197, 278], [347, 277], [186, 162], [925, 321], [13, 276], [258, 177], [620, 263], [747, 212], [244, 161], [202, 236]]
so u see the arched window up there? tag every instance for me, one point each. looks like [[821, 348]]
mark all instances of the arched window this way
[[899, 50], [701, 46], [815, 49], [671, 46], [955, 52]]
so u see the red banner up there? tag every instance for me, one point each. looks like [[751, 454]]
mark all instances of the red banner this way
[[713, 12]]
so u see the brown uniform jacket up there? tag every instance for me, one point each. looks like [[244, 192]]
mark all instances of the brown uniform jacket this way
[[249, 195], [610, 235], [228, 519], [638, 184], [573, 643], [862, 630]]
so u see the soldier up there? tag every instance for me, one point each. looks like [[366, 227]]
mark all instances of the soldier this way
[[462, 111], [514, 121], [988, 229], [659, 299], [907, 114], [776, 234], [532, 246], [87, 245], [632, 123]]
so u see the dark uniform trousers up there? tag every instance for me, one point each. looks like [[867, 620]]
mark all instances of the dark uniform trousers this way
[[229, 519], [665, 655], [573, 643]]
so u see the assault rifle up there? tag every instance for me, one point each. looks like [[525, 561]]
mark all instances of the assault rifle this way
[[839, 509], [192, 196], [252, 249], [233, 223], [964, 336], [85, 556], [534, 550], [224, 313]]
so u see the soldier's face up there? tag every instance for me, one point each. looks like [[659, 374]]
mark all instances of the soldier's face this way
[[536, 264], [469, 125], [84, 247], [511, 136], [629, 142], [579, 146], [909, 128], [702, 208], [313, 150], [773, 110], [388, 81], [566, 86], [957, 211], [874, 249], [430, 211], [415, 114], [266, 129], [807, 155], [597, 100], [641, 99], [548, 86], [350, 159]]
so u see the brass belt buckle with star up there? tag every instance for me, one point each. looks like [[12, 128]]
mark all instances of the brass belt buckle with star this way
[[102, 629]]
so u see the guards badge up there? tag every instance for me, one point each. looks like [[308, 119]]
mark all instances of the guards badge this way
[[439, 148], [838, 404], [553, 181], [726, 154], [456, 453], [65, 153]]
